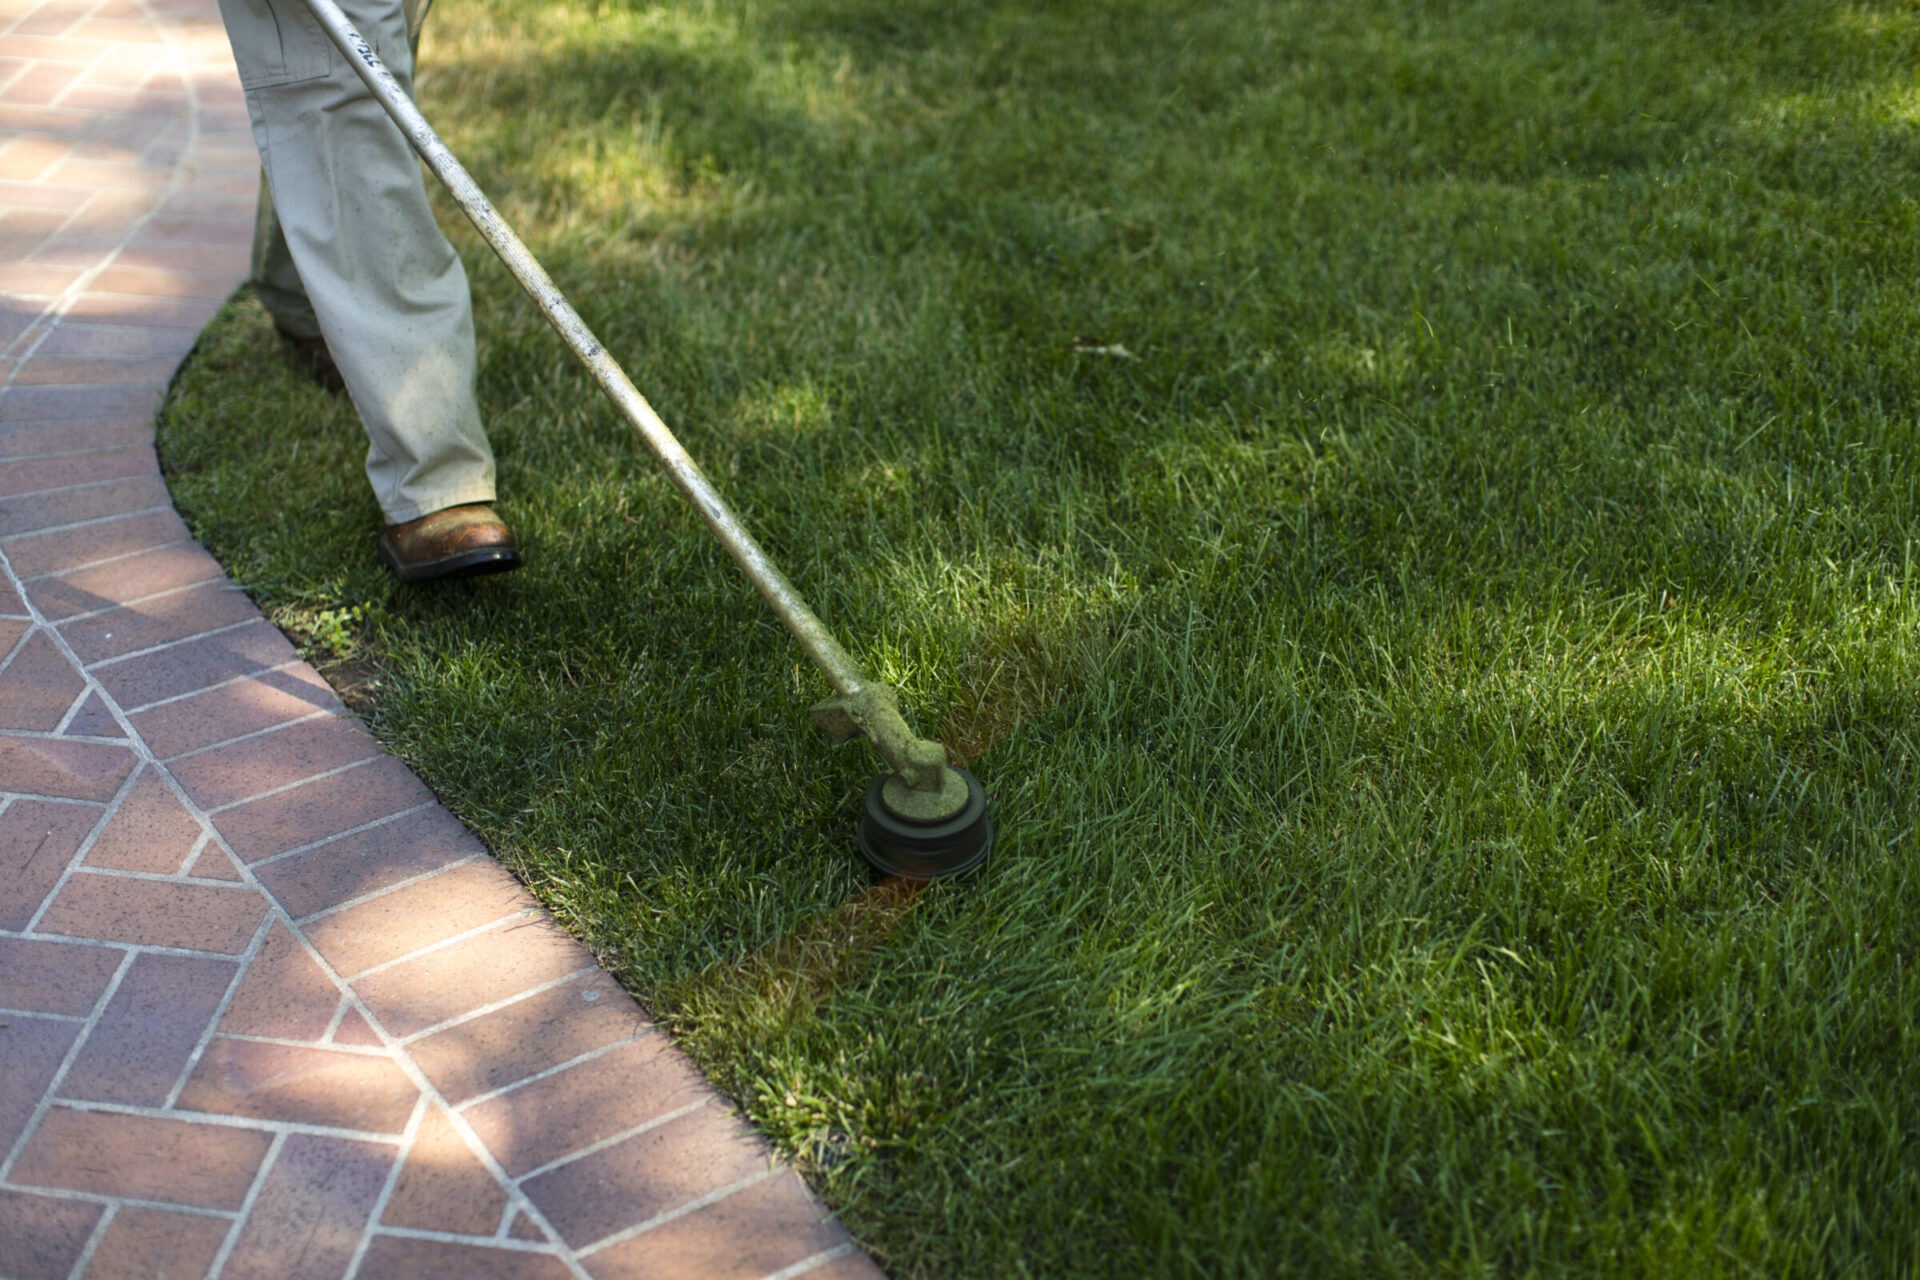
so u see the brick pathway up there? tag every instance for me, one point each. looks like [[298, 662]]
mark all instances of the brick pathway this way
[[265, 1008]]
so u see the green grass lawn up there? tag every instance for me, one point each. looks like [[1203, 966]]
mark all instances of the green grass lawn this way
[[1445, 672]]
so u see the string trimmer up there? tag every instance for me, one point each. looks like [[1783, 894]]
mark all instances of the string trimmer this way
[[924, 818]]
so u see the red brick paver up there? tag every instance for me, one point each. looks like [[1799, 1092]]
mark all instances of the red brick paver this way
[[266, 1009]]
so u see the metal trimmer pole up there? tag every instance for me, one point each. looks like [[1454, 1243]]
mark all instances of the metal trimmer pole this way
[[863, 706]]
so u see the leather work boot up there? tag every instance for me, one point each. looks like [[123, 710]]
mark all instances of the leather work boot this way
[[459, 542], [317, 360]]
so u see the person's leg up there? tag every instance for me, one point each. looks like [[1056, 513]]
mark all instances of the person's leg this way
[[275, 280], [386, 289], [277, 284]]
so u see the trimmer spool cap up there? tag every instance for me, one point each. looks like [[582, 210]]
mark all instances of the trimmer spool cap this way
[[911, 849]]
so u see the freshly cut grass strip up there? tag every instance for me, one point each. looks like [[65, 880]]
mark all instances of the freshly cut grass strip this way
[[1447, 689]]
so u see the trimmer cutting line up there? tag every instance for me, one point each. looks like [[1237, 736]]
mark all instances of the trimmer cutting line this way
[[924, 819]]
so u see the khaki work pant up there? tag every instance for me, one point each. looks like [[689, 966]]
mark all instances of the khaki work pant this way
[[346, 248]]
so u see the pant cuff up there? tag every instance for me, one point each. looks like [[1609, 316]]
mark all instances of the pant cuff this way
[[402, 512]]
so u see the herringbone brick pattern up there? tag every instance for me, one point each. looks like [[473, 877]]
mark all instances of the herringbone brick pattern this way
[[266, 1009]]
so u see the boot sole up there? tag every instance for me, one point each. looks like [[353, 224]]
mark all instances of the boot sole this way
[[467, 564]]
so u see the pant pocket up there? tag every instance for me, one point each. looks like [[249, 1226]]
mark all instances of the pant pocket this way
[[275, 42]]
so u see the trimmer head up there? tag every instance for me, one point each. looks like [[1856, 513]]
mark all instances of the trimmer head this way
[[925, 848]]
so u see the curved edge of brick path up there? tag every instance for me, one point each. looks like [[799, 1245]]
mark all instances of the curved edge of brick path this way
[[266, 1009]]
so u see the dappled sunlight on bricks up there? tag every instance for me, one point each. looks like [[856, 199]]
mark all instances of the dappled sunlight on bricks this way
[[77, 339], [285, 995], [151, 831], [506, 1045], [336, 1088], [628, 1085], [68, 770], [79, 241], [134, 576], [27, 159], [166, 619], [324, 807], [194, 665], [760, 1230], [647, 1175], [345, 867], [155, 913], [400, 1258], [171, 283], [213, 863], [443, 1186], [235, 710], [460, 978], [273, 760], [92, 543], [143, 1158], [41, 279], [126, 171], [58, 121], [355, 1030], [312, 1209], [403, 921], [114, 308]]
